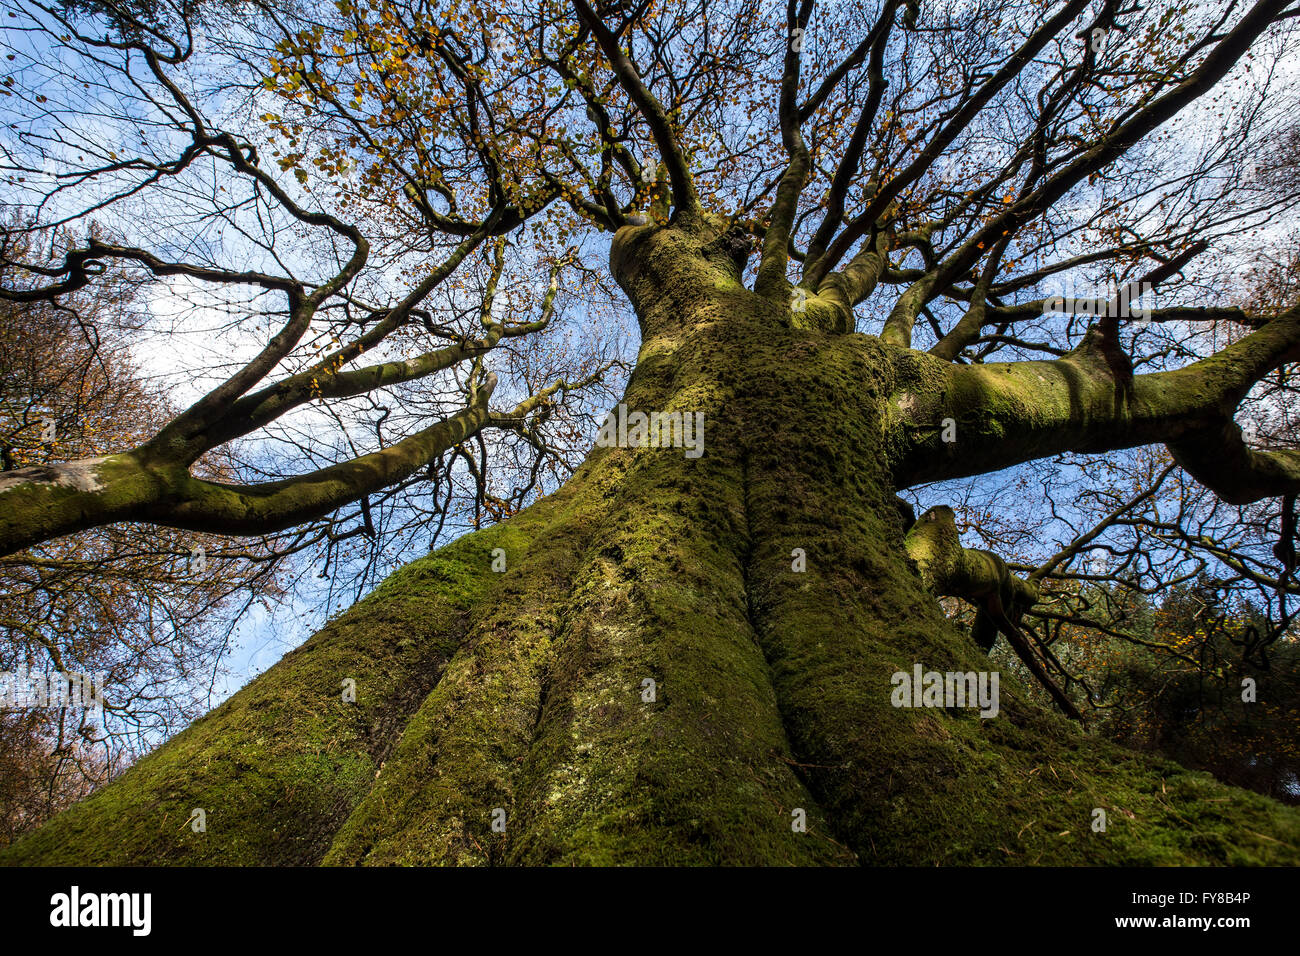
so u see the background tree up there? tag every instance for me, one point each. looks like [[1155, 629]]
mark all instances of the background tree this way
[[682, 655], [1191, 705]]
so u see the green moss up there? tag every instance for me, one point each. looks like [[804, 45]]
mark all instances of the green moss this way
[[932, 786], [526, 691], [459, 755], [279, 766]]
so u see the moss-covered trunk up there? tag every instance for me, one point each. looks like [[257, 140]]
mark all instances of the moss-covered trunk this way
[[681, 654]]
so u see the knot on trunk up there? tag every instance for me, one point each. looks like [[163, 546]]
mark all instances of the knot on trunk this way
[[731, 250]]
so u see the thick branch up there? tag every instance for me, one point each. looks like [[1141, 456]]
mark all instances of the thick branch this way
[[771, 281], [1219, 459], [40, 503], [984, 579], [1002, 414], [684, 197]]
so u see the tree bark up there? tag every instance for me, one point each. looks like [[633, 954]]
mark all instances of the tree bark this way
[[506, 717]]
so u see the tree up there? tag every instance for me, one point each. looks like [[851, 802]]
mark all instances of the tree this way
[[686, 653], [1202, 707]]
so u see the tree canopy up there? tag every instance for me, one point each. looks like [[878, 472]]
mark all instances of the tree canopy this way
[[396, 218]]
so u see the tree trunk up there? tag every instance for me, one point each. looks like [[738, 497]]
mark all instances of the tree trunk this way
[[506, 717]]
